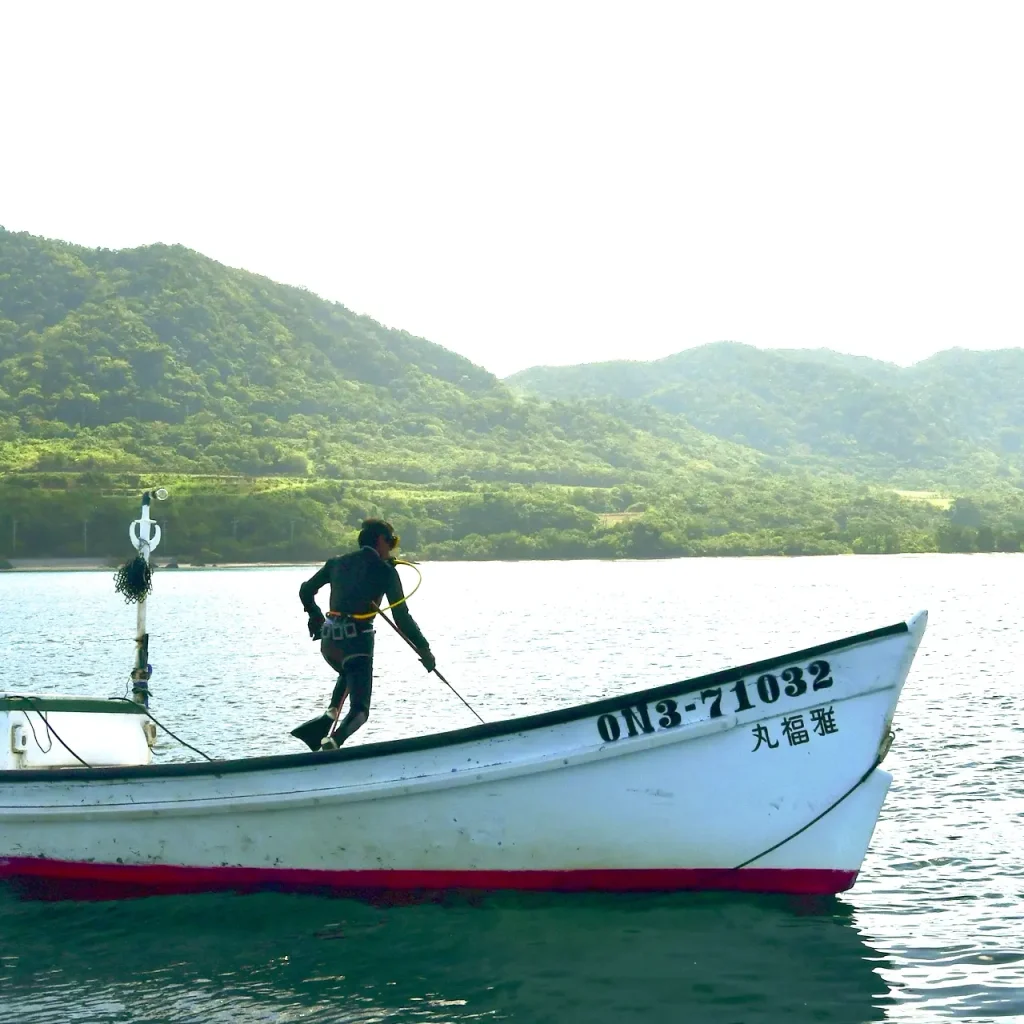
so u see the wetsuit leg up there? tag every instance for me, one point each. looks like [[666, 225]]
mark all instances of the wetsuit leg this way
[[334, 652], [340, 693], [359, 682], [357, 670]]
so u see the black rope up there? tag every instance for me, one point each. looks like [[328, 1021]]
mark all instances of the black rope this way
[[860, 782], [49, 728], [46, 750], [134, 580], [165, 729]]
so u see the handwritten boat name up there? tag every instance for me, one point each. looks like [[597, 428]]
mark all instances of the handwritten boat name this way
[[671, 712]]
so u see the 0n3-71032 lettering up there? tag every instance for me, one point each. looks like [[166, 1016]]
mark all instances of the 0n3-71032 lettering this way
[[742, 695]]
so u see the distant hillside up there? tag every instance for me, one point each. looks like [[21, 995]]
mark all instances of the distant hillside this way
[[160, 357], [278, 421], [956, 414]]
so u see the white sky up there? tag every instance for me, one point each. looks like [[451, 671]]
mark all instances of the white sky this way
[[548, 182]]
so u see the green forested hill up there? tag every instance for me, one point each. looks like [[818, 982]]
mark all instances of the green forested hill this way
[[279, 420], [958, 416], [161, 358]]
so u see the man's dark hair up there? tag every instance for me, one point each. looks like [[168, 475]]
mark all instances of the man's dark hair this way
[[374, 528]]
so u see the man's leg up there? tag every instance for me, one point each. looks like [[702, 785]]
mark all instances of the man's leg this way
[[314, 732], [338, 697], [358, 677]]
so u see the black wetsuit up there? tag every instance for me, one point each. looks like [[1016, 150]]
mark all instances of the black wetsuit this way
[[358, 581]]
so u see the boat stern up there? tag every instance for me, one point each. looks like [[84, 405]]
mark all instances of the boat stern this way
[[52, 731]]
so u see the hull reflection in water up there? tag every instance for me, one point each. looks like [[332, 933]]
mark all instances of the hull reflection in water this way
[[526, 957]]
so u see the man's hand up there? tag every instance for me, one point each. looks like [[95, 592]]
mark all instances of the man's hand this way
[[315, 624], [428, 661]]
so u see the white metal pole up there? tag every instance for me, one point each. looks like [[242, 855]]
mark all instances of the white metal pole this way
[[145, 535]]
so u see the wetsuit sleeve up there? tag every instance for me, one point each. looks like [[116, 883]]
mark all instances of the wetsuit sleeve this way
[[405, 622], [309, 589]]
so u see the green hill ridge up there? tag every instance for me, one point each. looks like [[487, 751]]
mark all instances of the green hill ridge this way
[[281, 419], [955, 418]]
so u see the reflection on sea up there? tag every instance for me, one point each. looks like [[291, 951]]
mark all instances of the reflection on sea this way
[[698, 957]]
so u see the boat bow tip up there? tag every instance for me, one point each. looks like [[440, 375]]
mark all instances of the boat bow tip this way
[[916, 624]]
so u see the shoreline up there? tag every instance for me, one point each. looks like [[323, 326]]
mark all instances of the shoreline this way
[[106, 565], [18, 565]]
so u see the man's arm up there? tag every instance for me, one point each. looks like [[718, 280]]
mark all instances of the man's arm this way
[[309, 590], [404, 620]]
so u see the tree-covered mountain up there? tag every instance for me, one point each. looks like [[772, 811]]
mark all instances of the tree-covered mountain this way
[[280, 420], [956, 416], [161, 358]]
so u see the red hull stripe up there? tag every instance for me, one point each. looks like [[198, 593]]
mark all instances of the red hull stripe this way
[[57, 879]]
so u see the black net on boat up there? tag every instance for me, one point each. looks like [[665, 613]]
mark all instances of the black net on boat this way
[[134, 580]]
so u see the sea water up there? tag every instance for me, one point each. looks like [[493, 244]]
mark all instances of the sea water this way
[[933, 929]]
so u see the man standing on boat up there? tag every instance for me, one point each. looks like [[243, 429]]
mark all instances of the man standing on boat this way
[[358, 581]]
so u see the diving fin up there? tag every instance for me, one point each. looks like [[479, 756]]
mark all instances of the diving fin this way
[[312, 733]]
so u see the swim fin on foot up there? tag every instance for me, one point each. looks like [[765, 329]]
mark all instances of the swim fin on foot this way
[[313, 732]]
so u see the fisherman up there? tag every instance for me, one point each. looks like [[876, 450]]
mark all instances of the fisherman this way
[[358, 582]]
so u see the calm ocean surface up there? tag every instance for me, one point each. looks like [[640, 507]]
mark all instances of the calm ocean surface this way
[[933, 930]]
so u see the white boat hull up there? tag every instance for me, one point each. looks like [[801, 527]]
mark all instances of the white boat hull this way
[[750, 779]]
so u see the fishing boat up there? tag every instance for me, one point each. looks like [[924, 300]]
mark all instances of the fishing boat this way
[[763, 777]]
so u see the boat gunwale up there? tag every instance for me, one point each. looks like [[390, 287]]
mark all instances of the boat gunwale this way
[[59, 704], [454, 737]]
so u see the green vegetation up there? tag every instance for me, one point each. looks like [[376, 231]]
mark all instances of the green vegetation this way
[[954, 420], [231, 519], [278, 421]]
